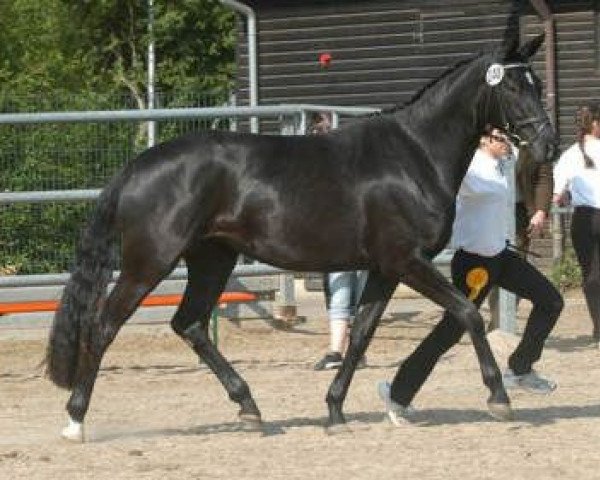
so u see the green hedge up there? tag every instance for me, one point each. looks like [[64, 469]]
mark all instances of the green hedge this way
[[40, 238]]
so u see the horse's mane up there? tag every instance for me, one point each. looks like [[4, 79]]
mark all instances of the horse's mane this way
[[424, 89]]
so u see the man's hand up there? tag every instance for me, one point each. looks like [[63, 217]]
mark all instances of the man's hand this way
[[561, 199], [536, 224]]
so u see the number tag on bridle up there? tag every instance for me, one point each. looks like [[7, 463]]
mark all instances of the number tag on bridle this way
[[494, 74]]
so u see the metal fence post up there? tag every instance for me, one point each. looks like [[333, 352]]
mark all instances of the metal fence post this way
[[557, 236], [286, 307], [507, 302]]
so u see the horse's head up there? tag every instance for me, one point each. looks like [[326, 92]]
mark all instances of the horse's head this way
[[516, 94]]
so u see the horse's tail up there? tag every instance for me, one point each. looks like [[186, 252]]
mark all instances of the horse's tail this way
[[76, 321]]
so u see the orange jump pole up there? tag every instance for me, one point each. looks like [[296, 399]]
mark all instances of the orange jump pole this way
[[150, 301]]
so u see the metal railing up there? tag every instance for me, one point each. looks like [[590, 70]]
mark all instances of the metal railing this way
[[292, 120]]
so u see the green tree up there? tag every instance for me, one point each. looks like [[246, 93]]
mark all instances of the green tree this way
[[100, 46], [194, 44], [37, 51], [88, 55]]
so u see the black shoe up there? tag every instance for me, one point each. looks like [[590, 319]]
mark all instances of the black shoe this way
[[330, 361]]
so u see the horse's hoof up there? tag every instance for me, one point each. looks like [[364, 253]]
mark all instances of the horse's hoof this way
[[73, 432], [252, 419], [337, 428], [500, 411]]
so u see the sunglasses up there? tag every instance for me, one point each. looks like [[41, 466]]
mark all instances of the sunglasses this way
[[499, 138]]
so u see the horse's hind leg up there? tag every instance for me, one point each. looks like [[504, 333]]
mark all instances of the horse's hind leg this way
[[210, 264], [423, 277], [128, 292], [374, 299]]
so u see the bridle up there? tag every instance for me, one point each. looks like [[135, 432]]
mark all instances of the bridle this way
[[539, 123], [542, 124]]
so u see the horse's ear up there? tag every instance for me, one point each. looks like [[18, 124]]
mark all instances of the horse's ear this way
[[532, 46], [510, 38], [510, 44]]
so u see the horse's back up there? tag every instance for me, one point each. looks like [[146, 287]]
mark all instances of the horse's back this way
[[300, 202], [166, 184]]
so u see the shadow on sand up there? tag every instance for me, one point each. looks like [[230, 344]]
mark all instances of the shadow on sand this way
[[572, 344], [523, 418]]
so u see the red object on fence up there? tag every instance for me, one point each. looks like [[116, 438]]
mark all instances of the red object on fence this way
[[150, 301], [325, 60]]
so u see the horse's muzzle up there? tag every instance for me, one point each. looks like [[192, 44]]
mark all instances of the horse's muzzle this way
[[546, 144]]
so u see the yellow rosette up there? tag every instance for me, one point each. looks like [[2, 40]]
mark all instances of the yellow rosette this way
[[477, 278]]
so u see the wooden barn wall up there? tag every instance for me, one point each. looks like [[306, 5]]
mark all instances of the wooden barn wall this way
[[382, 51], [577, 57]]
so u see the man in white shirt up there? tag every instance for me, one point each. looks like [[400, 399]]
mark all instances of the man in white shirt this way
[[483, 260], [533, 191]]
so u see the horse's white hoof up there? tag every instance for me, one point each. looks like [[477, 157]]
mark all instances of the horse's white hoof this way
[[500, 411], [73, 432], [338, 429]]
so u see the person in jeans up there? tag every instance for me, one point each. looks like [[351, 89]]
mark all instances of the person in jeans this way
[[577, 179], [482, 260], [342, 289], [342, 293]]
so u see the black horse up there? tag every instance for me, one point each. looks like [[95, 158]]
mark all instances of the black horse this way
[[378, 194]]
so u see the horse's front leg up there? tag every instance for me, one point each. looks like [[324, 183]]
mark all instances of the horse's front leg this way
[[374, 299], [422, 276]]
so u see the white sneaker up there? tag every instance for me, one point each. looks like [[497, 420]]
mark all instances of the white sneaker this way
[[398, 414], [532, 382]]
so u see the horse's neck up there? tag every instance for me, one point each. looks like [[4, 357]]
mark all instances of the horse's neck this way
[[449, 125]]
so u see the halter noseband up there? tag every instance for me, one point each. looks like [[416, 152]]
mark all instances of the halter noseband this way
[[494, 77]]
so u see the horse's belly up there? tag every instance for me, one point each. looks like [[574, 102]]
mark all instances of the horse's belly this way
[[307, 256], [292, 245]]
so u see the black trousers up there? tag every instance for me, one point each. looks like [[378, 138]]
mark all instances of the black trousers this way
[[585, 234], [509, 271], [522, 241]]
